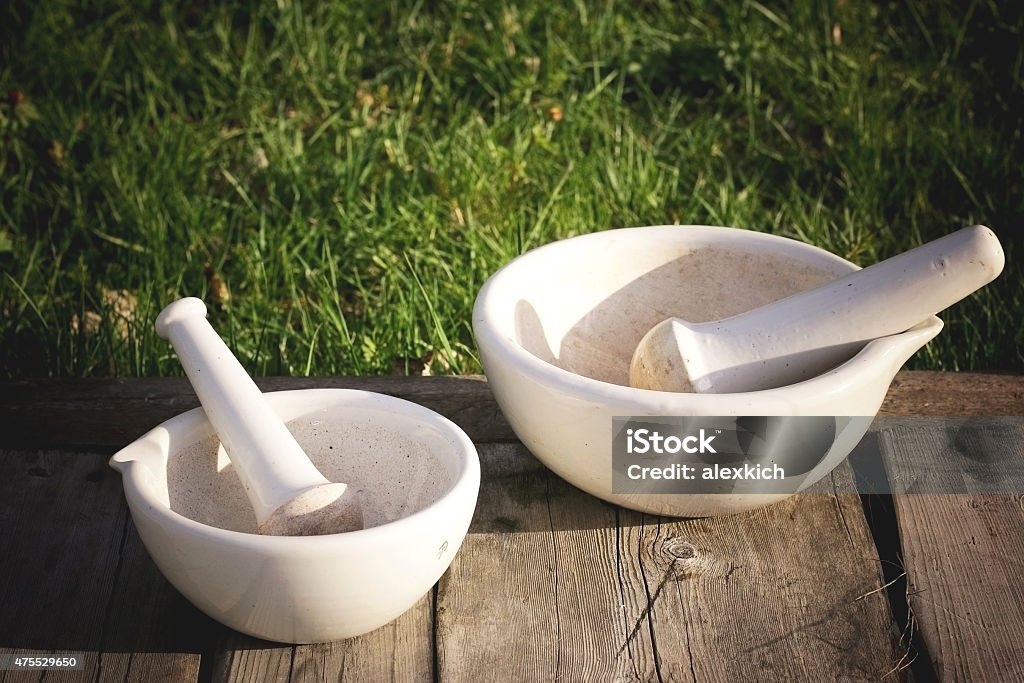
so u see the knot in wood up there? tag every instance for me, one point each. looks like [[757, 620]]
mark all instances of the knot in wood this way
[[679, 549]]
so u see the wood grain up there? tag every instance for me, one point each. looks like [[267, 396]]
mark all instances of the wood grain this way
[[243, 658], [496, 605], [963, 552], [75, 579], [172, 648], [584, 591], [787, 592], [400, 651], [954, 393], [594, 622]]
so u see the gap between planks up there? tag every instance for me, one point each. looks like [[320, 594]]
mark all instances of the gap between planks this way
[[576, 589], [76, 577], [963, 551]]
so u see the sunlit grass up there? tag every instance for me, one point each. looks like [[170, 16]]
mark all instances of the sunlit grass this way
[[338, 182]]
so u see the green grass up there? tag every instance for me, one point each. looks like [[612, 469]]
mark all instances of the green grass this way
[[354, 171]]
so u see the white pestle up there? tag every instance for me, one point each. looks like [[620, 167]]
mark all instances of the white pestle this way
[[806, 334], [288, 494]]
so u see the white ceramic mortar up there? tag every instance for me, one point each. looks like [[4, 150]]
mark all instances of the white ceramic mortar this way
[[557, 328], [418, 473]]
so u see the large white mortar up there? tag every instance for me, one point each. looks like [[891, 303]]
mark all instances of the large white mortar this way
[[557, 328]]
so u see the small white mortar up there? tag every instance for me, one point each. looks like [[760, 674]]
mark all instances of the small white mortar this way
[[419, 476], [557, 328]]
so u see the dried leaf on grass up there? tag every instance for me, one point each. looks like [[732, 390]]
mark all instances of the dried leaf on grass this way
[[118, 307]]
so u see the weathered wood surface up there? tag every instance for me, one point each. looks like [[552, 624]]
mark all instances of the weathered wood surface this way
[[954, 393], [592, 592], [400, 651], [109, 413], [963, 551], [550, 582], [75, 577]]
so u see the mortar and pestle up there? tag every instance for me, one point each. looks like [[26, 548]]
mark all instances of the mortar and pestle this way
[[240, 502], [580, 331]]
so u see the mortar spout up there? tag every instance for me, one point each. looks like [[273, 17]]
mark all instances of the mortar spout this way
[[150, 450], [899, 348]]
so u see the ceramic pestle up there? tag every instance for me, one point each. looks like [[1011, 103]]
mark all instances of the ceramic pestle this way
[[289, 496], [808, 333]]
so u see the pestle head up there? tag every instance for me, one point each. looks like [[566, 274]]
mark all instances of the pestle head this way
[[327, 509], [658, 362]]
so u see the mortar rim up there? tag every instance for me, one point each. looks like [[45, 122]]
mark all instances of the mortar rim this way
[[466, 481]]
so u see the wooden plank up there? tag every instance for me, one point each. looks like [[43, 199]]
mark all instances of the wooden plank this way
[[787, 592], [496, 614], [535, 592], [963, 553], [242, 658], [594, 622], [69, 567], [152, 632], [578, 590], [954, 393], [67, 413], [638, 600], [56, 527], [399, 651], [108, 414]]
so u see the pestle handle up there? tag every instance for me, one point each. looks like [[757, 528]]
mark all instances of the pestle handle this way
[[805, 334], [272, 466], [886, 298]]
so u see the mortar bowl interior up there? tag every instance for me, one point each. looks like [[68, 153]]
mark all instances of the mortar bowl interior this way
[[557, 327], [417, 475]]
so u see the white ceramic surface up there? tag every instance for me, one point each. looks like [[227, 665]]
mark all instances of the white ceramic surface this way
[[557, 328], [421, 474]]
